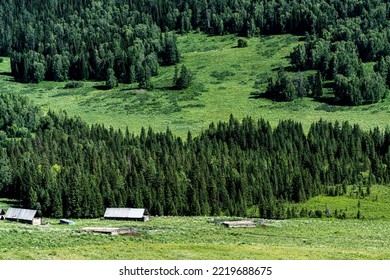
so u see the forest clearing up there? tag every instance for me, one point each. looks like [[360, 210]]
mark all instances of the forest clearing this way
[[215, 94]]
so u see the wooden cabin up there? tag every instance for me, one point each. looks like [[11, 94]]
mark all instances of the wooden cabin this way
[[137, 214], [27, 216]]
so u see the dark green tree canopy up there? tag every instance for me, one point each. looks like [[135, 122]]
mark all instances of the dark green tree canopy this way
[[69, 168], [184, 80]]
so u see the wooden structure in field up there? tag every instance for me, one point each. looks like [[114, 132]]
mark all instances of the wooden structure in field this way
[[27, 216], [234, 224], [67, 222], [137, 214]]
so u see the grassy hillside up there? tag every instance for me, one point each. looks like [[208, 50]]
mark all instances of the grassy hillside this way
[[205, 238], [375, 206], [196, 238], [227, 80]]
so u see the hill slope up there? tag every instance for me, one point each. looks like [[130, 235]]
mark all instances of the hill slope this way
[[227, 80]]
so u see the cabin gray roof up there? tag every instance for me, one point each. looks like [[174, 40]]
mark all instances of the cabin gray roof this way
[[132, 213], [20, 214]]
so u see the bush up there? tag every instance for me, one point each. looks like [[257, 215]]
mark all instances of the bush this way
[[242, 43], [318, 214], [74, 84]]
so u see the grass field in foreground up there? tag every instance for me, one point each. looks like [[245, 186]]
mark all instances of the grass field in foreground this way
[[197, 238], [227, 81]]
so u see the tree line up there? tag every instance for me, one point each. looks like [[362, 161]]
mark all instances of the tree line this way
[[246, 17], [83, 40], [341, 62], [359, 35], [64, 167]]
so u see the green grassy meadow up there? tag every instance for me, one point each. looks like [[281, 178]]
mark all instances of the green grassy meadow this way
[[195, 238], [375, 206], [203, 238], [227, 80]]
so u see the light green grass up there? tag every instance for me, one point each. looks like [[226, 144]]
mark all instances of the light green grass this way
[[5, 203], [226, 80], [196, 238], [375, 206]]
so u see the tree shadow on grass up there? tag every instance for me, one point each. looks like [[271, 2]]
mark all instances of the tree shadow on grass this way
[[162, 88], [167, 88], [101, 87], [65, 93], [9, 74], [11, 202], [330, 104], [257, 95], [285, 68], [8, 77], [328, 100], [326, 103]]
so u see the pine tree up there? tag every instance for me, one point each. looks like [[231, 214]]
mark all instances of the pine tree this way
[[5, 171], [185, 78], [170, 52], [316, 85], [111, 80]]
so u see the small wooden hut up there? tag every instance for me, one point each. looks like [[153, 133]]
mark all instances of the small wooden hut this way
[[67, 222], [138, 214], [27, 216]]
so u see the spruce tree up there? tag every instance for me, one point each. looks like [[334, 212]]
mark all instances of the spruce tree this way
[[185, 78], [5, 171], [111, 80], [316, 85]]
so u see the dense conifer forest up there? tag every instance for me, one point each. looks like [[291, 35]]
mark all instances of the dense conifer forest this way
[[63, 167]]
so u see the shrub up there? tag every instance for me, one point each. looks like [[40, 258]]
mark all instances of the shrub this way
[[318, 214], [242, 43], [74, 84]]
